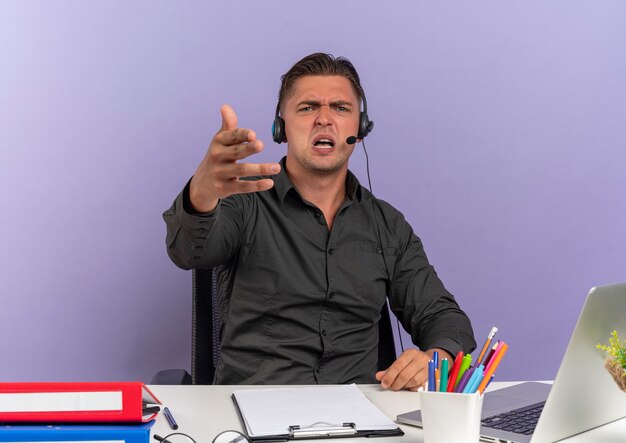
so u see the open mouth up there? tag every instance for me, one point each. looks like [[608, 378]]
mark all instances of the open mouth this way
[[324, 142]]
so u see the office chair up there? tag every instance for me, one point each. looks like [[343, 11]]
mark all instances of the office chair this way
[[205, 344]]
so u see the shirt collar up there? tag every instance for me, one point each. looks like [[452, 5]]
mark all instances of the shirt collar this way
[[282, 183]]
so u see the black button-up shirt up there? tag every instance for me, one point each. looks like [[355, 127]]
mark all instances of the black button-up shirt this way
[[302, 303]]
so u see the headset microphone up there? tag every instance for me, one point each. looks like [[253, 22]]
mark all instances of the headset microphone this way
[[351, 140]]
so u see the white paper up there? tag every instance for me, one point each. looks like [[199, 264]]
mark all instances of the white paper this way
[[271, 411], [60, 401]]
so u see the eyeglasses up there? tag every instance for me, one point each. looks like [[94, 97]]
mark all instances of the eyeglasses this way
[[229, 436]]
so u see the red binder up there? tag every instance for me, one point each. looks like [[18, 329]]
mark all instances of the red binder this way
[[76, 402]]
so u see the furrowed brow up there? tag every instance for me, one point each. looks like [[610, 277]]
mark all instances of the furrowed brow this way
[[318, 103], [309, 102], [341, 103]]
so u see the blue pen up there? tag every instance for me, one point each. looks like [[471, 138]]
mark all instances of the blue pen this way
[[470, 382], [170, 418], [432, 381], [477, 383], [471, 385], [436, 359]]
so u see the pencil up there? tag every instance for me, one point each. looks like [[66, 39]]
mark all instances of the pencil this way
[[490, 353], [492, 333]]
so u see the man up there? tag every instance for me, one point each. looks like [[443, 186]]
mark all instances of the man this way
[[309, 254]]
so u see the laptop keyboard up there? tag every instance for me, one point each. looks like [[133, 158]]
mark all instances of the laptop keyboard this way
[[520, 421]]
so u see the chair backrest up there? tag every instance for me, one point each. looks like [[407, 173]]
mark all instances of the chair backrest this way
[[205, 342], [204, 326]]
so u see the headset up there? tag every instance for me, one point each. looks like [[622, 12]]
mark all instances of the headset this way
[[365, 126]]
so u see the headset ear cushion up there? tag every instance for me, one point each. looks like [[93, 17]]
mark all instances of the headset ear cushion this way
[[278, 130], [365, 125]]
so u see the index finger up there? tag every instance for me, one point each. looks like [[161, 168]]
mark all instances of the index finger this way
[[392, 372], [235, 136], [407, 371]]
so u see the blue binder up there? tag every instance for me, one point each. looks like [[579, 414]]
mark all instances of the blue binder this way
[[136, 433]]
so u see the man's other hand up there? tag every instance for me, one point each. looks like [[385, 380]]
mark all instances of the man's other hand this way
[[410, 370]]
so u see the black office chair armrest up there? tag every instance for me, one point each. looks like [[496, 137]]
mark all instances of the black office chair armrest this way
[[171, 377]]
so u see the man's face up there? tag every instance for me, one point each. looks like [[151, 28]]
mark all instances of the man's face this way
[[320, 114]]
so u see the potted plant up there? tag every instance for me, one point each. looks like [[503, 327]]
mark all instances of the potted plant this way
[[616, 361]]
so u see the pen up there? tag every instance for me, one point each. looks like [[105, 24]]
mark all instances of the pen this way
[[477, 383], [432, 383], [492, 367], [170, 418], [495, 354], [490, 354], [464, 379], [455, 370], [443, 383], [436, 359], [465, 364], [492, 333], [489, 382], [472, 383]]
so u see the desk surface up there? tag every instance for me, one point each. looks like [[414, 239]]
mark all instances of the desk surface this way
[[204, 411]]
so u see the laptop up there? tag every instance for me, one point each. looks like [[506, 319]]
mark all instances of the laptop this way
[[583, 395]]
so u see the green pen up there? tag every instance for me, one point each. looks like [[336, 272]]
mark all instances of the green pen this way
[[465, 364], [443, 382]]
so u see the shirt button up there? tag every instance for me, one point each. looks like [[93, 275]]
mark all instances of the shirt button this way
[[324, 332], [318, 369], [330, 251], [331, 295], [379, 250]]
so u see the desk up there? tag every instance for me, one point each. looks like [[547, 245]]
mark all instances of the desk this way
[[204, 411]]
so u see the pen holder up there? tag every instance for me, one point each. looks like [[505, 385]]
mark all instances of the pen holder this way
[[449, 417]]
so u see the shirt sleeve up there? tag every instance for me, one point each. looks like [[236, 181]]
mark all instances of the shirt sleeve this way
[[195, 240], [421, 302]]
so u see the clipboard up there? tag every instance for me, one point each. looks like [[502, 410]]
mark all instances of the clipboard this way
[[283, 414]]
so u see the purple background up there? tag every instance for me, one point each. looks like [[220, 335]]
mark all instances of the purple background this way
[[499, 133]]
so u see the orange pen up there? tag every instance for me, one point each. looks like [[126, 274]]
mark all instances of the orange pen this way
[[493, 365]]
